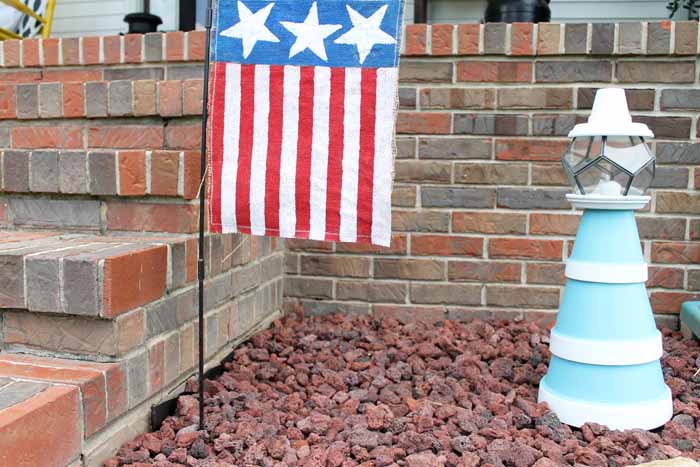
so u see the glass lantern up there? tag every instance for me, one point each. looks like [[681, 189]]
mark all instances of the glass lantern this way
[[608, 155], [609, 165]]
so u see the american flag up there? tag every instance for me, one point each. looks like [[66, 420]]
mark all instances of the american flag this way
[[304, 97]]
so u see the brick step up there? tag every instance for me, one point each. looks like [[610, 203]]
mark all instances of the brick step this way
[[50, 406], [91, 275]]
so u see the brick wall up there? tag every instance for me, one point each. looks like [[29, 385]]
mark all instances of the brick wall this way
[[481, 224]]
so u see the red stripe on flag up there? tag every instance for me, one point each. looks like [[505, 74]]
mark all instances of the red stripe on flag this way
[[274, 151], [305, 141], [366, 163], [245, 148], [218, 101], [335, 153]]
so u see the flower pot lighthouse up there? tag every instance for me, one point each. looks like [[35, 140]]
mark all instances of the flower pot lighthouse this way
[[605, 346]]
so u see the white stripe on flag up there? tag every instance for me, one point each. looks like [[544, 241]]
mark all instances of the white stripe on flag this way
[[383, 156], [351, 154], [232, 123], [258, 163], [319, 153], [288, 162]]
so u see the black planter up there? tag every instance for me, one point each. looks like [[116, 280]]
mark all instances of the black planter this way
[[141, 23], [517, 11]]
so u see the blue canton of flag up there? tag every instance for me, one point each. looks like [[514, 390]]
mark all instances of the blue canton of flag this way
[[303, 109]]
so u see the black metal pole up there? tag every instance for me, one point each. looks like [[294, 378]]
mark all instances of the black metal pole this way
[[202, 197]]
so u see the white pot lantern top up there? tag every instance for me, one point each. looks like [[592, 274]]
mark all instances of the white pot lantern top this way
[[610, 116]]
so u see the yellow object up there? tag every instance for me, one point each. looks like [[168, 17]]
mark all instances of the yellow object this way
[[45, 20]]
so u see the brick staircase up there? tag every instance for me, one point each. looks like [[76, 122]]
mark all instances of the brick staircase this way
[[99, 175], [97, 327]]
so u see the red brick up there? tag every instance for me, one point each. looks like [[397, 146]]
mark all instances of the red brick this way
[[530, 149], [8, 101], [195, 45], [127, 137], [34, 137], [44, 430], [145, 97], [546, 273], [416, 39], [73, 75], [156, 362], [191, 174], [73, 100], [50, 51], [442, 39], [134, 279], [675, 252], [174, 218], [21, 77], [667, 278], [553, 224], [170, 95], [424, 122], [30, 52], [494, 72], [132, 48], [11, 55], [548, 38], [670, 302], [117, 402], [446, 245], [398, 247], [183, 136], [525, 248], [91, 50], [175, 46], [165, 167], [132, 173], [483, 271], [521, 39], [112, 49], [409, 313], [192, 252], [70, 50], [192, 96], [695, 229], [489, 222], [468, 39]]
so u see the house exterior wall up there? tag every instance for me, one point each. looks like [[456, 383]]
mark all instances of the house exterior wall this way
[[481, 223], [563, 11]]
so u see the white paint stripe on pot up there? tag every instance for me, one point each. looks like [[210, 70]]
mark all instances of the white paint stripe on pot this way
[[646, 415], [606, 352], [608, 273]]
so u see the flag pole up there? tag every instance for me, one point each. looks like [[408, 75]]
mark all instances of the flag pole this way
[[202, 197]]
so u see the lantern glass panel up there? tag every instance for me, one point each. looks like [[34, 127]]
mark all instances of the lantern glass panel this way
[[582, 151], [604, 178], [628, 152], [643, 179]]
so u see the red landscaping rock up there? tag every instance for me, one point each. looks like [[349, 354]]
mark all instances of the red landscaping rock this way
[[344, 391]]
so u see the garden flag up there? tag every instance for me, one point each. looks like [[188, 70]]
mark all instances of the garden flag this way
[[304, 98]]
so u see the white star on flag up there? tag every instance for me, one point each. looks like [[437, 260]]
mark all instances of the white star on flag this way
[[310, 34], [251, 27], [366, 32]]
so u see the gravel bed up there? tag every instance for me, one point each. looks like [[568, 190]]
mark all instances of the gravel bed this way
[[352, 391]]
